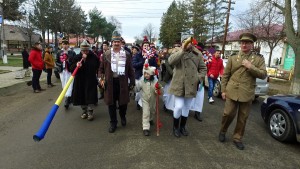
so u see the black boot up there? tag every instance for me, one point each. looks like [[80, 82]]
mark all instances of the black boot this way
[[182, 126], [198, 116], [138, 107], [67, 103], [176, 127]]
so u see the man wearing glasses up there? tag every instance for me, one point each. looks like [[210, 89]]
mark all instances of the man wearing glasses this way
[[238, 86]]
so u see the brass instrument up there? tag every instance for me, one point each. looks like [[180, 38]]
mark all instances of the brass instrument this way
[[187, 41]]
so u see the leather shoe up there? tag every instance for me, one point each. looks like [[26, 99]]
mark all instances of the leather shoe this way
[[239, 145], [146, 132], [123, 121], [112, 129], [222, 137]]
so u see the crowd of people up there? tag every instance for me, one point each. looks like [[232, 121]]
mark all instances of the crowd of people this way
[[176, 75]]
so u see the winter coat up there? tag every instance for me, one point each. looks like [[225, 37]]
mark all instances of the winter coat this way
[[68, 61], [215, 67], [35, 58], [189, 70], [85, 82], [138, 64], [238, 82], [106, 72], [166, 71], [25, 56], [48, 59]]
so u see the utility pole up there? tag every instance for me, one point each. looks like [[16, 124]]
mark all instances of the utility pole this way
[[227, 22], [2, 49]]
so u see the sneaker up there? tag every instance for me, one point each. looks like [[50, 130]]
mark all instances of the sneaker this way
[[49, 86], [211, 100], [239, 145], [222, 137], [36, 91], [84, 115], [90, 116]]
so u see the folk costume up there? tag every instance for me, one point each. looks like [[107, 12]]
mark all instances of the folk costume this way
[[85, 82], [189, 70], [63, 63], [114, 72], [148, 89], [138, 62]]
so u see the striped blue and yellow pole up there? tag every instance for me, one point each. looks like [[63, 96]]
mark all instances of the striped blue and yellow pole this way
[[44, 128]]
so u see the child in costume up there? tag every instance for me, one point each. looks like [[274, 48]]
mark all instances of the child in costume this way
[[149, 87]]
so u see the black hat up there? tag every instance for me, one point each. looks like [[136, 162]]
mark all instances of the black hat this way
[[65, 40], [248, 37], [135, 47]]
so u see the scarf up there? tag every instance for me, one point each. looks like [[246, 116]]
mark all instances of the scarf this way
[[118, 61]]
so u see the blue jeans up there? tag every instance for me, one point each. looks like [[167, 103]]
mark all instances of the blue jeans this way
[[211, 86]]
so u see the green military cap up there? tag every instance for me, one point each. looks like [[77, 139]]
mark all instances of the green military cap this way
[[116, 36], [248, 37], [84, 45]]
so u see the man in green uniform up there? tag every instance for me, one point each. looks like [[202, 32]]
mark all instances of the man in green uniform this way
[[238, 85]]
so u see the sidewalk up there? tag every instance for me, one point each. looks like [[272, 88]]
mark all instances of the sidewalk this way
[[9, 79]]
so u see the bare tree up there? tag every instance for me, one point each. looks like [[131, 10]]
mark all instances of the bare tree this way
[[292, 29], [149, 32], [266, 23], [113, 20]]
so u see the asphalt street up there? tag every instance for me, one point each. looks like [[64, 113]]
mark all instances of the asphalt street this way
[[73, 143]]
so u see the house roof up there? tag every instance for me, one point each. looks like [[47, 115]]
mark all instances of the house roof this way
[[258, 31], [16, 33]]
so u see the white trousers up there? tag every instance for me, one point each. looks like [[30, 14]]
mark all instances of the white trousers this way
[[182, 107], [64, 77]]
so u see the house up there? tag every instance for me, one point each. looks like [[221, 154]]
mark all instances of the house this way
[[16, 38], [282, 52]]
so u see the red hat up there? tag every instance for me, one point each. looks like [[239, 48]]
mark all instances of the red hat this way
[[145, 41]]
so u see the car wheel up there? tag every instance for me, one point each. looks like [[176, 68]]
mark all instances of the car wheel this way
[[281, 126], [217, 89]]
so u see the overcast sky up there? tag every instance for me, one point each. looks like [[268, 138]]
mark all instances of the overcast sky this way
[[136, 14]]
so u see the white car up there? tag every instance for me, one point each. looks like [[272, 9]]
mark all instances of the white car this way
[[262, 86]]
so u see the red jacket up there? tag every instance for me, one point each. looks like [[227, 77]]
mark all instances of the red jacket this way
[[35, 58], [215, 67]]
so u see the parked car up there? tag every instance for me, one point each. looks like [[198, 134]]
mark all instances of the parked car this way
[[281, 113], [262, 86]]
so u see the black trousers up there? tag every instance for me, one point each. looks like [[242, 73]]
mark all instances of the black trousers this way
[[49, 74], [36, 74], [112, 109]]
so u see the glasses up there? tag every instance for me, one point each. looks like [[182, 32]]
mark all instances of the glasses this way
[[246, 43]]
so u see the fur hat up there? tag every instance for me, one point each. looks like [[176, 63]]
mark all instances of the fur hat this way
[[84, 45], [116, 36], [149, 69], [65, 40]]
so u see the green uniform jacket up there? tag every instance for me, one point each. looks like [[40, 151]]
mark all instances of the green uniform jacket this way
[[238, 82], [189, 70]]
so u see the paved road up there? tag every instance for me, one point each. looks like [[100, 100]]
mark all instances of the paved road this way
[[75, 143]]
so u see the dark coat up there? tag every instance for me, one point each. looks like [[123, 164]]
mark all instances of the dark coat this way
[[85, 82], [138, 64], [25, 56], [105, 71]]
